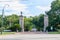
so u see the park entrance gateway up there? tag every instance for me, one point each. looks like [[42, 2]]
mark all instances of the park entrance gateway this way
[[21, 22]]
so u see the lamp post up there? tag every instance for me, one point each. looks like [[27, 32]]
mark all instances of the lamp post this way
[[3, 16]]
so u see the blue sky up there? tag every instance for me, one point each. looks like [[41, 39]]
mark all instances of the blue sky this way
[[28, 7]]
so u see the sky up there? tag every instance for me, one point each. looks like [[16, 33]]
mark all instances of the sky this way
[[28, 7]]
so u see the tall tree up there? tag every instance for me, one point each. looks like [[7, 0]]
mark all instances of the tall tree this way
[[54, 14]]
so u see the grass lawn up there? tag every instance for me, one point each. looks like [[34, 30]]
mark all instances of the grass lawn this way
[[6, 33], [53, 32]]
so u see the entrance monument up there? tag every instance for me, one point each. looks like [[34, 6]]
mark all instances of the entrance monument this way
[[45, 22], [21, 21]]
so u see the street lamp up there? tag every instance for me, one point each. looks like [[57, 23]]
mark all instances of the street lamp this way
[[3, 18], [3, 13]]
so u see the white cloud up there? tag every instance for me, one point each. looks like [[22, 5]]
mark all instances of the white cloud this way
[[28, 14], [16, 6], [43, 8], [7, 0]]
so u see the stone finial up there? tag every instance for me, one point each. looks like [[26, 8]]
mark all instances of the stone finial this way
[[21, 14]]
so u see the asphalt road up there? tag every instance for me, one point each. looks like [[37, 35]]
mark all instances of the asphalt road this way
[[31, 37]]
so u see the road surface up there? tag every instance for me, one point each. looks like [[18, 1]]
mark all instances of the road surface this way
[[31, 37]]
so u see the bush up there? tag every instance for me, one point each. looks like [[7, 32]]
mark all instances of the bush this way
[[2, 29], [15, 27]]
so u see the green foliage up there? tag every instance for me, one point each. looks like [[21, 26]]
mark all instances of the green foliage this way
[[54, 14], [12, 22], [15, 27], [2, 29], [28, 24], [38, 21]]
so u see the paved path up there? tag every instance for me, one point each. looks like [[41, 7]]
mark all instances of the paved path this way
[[31, 37]]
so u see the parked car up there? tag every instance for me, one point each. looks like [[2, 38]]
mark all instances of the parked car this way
[[34, 30], [7, 30]]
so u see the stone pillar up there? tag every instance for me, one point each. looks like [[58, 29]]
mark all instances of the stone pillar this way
[[45, 22], [21, 21]]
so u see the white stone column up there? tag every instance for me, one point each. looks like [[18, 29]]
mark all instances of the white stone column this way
[[45, 22], [21, 21]]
